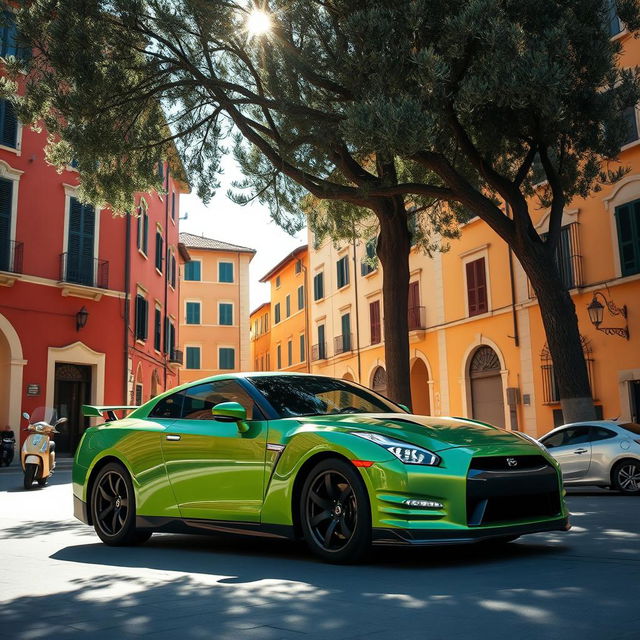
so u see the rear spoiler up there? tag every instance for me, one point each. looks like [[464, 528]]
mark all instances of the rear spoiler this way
[[90, 411]]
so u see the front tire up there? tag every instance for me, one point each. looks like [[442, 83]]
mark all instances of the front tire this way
[[113, 507], [30, 471], [626, 477], [335, 513]]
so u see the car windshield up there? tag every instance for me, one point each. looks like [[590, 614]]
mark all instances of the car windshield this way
[[631, 426], [294, 396]]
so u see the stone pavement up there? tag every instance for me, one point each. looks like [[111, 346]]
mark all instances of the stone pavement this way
[[58, 581]]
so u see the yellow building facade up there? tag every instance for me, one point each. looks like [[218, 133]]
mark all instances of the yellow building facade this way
[[260, 337], [214, 308]]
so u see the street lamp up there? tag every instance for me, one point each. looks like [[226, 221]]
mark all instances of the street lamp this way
[[596, 315], [81, 318]]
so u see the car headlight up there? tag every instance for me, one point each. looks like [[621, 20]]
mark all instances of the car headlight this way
[[533, 441], [405, 452]]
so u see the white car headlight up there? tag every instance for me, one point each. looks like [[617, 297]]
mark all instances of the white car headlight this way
[[405, 452]]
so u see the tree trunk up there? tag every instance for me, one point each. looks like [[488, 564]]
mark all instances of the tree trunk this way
[[563, 336], [394, 246]]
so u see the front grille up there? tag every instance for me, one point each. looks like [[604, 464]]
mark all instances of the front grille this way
[[503, 489]]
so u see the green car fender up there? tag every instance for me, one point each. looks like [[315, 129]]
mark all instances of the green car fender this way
[[302, 449]]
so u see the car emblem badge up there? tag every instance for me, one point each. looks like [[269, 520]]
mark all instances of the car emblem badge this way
[[512, 462], [338, 510]]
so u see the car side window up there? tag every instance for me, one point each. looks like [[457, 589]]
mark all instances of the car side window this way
[[600, 433], [168, 407], [555, 440], [576, 435], [201, 398]]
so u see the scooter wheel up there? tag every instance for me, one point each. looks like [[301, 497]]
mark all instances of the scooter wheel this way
[[30, 471]]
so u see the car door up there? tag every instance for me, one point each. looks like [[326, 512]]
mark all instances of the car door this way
[[216, 471], [604, 448], [572, 449]]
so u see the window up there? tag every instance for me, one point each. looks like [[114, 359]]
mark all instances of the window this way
[[225, 271], [279, 357], [8, 125], [600, 433], [287, 305], [303, 355], [161, 170], [196, 402], [80, 262], [298, 266], [300, 297], [143, 228], [322, 345], [138, 394], [568, 256], [169, 337], [6, 202], [159, 249], [193, 357], [157, 329], [226, 358], [476, 287], [276, 313], [318, 286], [9, 37], [613, 22], [173, 205], [567, 437], [416, 319], [374, 322], [193, 313], [289, 353], [277, 282], [343, 271], [225, 313], [172, 269], [142, 317], [193, 271], [343, 342], [628, 224], [369, 263]]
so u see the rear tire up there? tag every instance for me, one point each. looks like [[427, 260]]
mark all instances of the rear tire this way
[[30, 471], [113, 508], [335, 513], [626, 477]]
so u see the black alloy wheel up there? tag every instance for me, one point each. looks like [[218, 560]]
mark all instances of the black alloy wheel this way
[[335, 512], [113, 507], [626, 477]]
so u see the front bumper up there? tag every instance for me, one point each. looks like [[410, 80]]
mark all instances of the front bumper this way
[[80, 510], [424, 537]]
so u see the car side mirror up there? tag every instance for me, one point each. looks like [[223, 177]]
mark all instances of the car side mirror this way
[[26, 416], [404, 406], [231, 412], [60, 421]]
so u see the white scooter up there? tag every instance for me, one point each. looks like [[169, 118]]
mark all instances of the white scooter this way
[[38, 456]]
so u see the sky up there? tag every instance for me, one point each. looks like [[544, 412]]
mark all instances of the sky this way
[[249, 226]]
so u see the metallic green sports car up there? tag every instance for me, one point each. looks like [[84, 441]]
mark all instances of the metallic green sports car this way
[[312, 457]]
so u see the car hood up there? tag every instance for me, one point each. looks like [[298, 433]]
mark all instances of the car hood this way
[[433, 433]]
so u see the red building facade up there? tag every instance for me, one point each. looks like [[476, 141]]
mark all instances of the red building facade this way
[[88, 300]]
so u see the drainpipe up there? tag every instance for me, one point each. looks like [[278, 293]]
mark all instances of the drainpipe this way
[[307, 311], [355, 282], [127, 317], [166, 274], [514, 315]]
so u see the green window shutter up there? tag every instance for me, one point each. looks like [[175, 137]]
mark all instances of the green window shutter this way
[[8, 125], [193, 271], [227, 358], [346, 331], [628, 225], [225, 272], [322, 347], [193, 313], [225, 311], [157, 330], [6, 200], [318, 286], [279, 356], [289, 353], [80, 245], [303, 355], [159, 250], [288, 305], [276, 313], [193, 357], [300, 297]]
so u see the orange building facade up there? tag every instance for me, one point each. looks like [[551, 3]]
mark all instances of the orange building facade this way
[[214, 308], [260, 337]]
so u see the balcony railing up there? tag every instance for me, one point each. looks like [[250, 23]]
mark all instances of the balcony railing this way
[[319, 351], [88, 272], [343, 343], [11, 257], [176, 357], [417, 318]]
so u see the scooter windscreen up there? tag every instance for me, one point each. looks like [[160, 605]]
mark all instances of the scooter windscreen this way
[[44, 414]]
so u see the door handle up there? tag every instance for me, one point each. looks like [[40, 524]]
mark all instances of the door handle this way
[[580, 451], [173, 438]]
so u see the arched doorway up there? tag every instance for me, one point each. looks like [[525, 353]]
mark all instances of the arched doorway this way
[[155, 383], [420, 388], [72, 390], [11, 366], [487, 401], [379, 381]]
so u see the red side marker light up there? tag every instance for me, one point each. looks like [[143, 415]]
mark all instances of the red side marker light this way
[[362, 463]]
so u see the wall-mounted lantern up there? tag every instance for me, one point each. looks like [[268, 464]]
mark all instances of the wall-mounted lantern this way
[[596, 315], [81, 318]]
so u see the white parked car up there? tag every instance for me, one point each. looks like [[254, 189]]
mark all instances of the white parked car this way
[[600, 452]]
